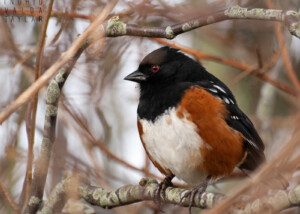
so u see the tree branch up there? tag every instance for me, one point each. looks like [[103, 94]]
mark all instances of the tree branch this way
[[56, 199], [43, 160], [31, 113], [144, 191], [281, 200], [84, 38], [129, 194], [4, 194], [53, 94], [290, 18]]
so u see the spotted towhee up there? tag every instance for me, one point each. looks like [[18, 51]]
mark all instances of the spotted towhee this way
[[189, 122]]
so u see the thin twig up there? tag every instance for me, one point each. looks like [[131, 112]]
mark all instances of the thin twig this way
[[284, 53], [9, 199], [44, 79], [286, 59], [101, 145], [36, 13], [58, 14], [32, 112], [42, 162], [266, 67], [53, 94]]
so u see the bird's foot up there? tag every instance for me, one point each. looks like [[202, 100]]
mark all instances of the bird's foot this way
[[167, 182], [192, 193]]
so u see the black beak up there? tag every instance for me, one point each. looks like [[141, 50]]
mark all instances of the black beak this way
[[136, 76]]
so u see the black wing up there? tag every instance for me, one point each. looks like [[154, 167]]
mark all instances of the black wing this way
[[253, 144]]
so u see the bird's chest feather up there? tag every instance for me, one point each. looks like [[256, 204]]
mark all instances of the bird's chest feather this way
[[173, 142]]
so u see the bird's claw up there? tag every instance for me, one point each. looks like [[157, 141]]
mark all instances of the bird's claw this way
[[192, 193], [161, 190]]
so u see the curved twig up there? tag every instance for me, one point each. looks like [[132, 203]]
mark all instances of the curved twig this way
[[4, 194]]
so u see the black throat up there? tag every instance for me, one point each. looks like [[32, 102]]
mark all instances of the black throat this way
[[156, 99]]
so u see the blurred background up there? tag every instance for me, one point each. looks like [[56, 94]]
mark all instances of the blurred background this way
[[96, 126]]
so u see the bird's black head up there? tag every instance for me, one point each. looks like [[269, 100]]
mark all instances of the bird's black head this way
[[164, 66], [164, 75]]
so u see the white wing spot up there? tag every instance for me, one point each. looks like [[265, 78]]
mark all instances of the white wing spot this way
[[226, 100], [221, 89], [231, 101], [213, 90], [234, 117]]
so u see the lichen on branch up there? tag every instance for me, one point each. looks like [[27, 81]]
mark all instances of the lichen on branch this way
[[290, 18], [129, 194]]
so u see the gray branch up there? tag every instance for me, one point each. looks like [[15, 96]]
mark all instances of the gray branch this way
[[41, 165], [290, 18], [129, 194], [144, 191], [56, 199], [279, 201]]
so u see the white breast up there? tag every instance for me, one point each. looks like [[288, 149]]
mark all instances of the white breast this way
[[174, 144]]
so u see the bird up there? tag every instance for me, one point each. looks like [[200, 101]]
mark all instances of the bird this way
[[189, 122]]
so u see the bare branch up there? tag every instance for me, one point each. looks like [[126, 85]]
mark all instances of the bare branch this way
[[42, 162], [56, 199], [31, 121], [281, 200], [53, 94], [290, 18], [129, 194], [6, 195], [145, 191], [44, 79]]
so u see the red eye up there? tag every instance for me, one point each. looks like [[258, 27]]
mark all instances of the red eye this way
[[155, 68]]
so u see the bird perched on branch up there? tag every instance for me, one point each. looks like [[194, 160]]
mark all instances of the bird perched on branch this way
[[189, 122]]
